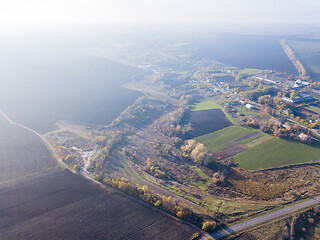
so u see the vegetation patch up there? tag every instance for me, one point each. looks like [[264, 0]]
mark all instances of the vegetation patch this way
[[203, 185], [224, 138], [243, 111], [277, 152], [250, 71], [252, 138], [259, 140], [313, 109], [206, 105]]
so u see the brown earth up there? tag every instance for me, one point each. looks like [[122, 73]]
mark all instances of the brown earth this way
[[61, 205], [41, 201], [229, 151], [204, 122], [21, 152]]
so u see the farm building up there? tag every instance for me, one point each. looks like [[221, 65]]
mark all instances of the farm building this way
[[299, 99], [303, 137], [250, 106]]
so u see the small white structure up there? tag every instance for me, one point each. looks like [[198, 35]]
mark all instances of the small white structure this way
[[250, 106], [303, 137]]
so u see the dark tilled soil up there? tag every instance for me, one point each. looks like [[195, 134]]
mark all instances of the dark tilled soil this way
[[204, 122], [229, 151], [61, 205], [246, 137], [21, 152]]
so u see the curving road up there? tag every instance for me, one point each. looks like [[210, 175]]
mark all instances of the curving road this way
[[263, 218]]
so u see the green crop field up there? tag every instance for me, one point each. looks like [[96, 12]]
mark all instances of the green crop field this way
[[277, 152], [254, 138], [224, 137], [250, 70], [313, 109], [206, 105]]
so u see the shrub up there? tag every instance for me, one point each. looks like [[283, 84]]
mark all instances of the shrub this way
[[195, 236], [207, 226]]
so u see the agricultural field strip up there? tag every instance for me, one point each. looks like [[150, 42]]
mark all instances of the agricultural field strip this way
[[84, 201], [264, 218], [251, 71], [65, 189], [22, 153], [258, 140], [224, 138], [276, 152], [175, 220], [313, 109], [205, 105]]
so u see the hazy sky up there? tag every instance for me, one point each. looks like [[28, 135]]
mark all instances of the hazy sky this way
[[41, 12]]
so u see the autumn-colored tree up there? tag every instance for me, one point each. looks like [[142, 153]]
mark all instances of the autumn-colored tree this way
[[208, 226]]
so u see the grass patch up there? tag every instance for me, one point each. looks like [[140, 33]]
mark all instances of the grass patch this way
[[253, 138], [206, 105], [251, 71], [224, 137], [200, 173], [201, 185], [313, 109], [258, 141], [245, 111], [277, 152], [230, 207]]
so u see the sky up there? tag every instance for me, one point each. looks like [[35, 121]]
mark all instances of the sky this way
[[21, 13]]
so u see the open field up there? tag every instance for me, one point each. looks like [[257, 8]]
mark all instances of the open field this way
[[224, 138], [61, 205], [242, 110], [313, 109], [205, 105], [21, 153], [277, 152], [308, 52], [204, 121], [43, 201], [253, 138], [261, 138], [250, 70]]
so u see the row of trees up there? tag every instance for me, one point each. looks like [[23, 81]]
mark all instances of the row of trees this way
[[165, 203]]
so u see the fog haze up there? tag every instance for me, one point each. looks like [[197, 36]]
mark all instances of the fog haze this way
[[19, 13]]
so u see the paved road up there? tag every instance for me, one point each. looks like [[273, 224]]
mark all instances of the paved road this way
[[312, 130], [263, 218]]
